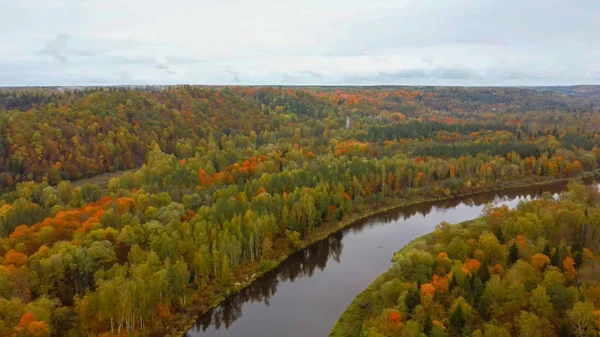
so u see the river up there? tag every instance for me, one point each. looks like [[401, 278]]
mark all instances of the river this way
[[307, 293]]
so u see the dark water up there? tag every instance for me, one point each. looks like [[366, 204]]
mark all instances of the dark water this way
[[306, 294]]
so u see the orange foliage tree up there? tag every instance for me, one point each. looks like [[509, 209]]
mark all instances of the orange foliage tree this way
[[540, 261], [15, 258], [569, 268]]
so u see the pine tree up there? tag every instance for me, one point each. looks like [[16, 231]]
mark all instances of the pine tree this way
[[484, 273], [453, 282], [578, 258], [477, 292], [457, 319], [563, 332], [468, 285], [576, 247], [427, 325], [555, 259], [499, 235], [513, 254], [546, 250], [413, 298]]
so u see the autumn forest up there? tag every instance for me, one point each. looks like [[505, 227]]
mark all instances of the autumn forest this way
[[204, 189], [524, 272]]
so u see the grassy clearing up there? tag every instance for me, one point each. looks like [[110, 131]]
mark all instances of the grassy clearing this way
[[100, 180]]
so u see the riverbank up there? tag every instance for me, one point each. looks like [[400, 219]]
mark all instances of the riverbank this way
[[211, 296], [353, 312]]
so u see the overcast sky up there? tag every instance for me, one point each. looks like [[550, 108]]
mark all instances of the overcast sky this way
[[471, 42]]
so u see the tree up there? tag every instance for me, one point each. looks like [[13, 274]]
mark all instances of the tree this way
[[546, 251], [226, 276], [500, 235], [555, 259], [457, 319], [484, 273], [578, 259], [427, 325], [394, 318], [513, 253], [569, 268], [64, 192], [561, 298], [30, 327], [529, 325], [540, 261], [179, 276], [492, 330], [493, 250], [440, 284], [412, 329], [581, 318], [563, 331], [201, 263], [453, 282], [458, 249], [412, 299], [15, 258], [477, 290], [427, 292], [541, 302]]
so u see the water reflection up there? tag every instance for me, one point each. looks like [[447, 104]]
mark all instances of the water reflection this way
[[305, 263], [302, 263]]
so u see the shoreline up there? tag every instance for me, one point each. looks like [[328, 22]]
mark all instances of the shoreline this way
[[191, 313]]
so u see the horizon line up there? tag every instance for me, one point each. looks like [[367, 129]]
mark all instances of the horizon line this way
[[297, 85]]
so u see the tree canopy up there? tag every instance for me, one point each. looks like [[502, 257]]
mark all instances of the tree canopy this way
[[216, 184], [494, 289]]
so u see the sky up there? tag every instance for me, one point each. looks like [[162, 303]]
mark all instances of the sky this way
[[308, 42]]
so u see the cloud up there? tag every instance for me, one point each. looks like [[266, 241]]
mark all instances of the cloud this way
[[484, 42], [56, 48], [173, 65], [163, 64], [412, 74], [236, 78]]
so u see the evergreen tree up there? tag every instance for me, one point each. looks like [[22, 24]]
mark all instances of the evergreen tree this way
[[499, 235], [484, 273], [468, 285], [453, 282], [457, 319], [564, 331], [578, 258], [546, 250], [427, 325], [513, 254], [555, 259], [413, 298], [476, 292]]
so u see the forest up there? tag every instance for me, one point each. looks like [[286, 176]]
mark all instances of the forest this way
[[213, 185], [530, 271]]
